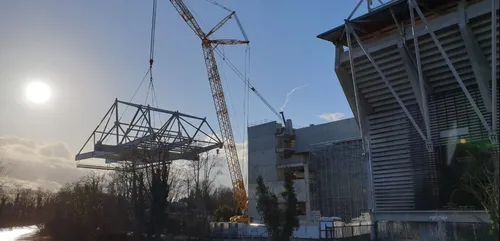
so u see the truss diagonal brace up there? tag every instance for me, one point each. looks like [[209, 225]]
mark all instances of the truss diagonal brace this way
[[350, 30], [355, 86], [452, 68], [412, 75], [478, 61], [423, 94]]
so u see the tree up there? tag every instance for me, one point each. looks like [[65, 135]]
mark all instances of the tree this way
[[205, 172], [280, 222], [481, 179], [223, 196], [224, 213]]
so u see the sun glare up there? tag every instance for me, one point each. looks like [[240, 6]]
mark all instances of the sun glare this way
[[38, 92]]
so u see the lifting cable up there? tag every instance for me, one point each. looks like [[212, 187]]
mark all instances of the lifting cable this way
[[151, 55], [149, 72], [154, 100]]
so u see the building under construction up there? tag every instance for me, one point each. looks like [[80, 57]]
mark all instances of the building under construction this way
[[421, 77], [328, 163]]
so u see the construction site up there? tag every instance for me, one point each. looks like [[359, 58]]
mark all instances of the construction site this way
[[421, 78]]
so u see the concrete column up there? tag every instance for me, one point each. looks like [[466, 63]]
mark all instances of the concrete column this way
[[308, 201]]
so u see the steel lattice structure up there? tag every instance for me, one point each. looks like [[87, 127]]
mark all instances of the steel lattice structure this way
[[145, 135]]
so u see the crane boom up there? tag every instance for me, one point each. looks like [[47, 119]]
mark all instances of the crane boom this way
[[225, 127], [214, 79]]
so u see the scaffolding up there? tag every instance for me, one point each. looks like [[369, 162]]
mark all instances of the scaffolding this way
[[338, 179]]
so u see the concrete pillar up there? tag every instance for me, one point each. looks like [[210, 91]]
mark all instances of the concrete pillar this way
[[308, 200]]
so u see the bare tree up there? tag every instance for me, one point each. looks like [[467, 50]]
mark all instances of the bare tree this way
[[482, 181], [205, 172]]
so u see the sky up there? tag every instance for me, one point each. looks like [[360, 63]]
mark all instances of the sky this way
[[91, 52]]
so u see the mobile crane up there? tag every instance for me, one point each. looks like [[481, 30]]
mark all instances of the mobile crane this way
[[208, 45]]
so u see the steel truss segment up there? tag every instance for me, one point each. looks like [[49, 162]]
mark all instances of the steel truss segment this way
[[389, 86], [139, 134], [478, 61], [415, 6], [423, 94], [355, 86]]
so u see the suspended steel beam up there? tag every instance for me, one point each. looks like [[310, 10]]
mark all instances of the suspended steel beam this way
[[450, 65], [422, 92], [478, 61], [350, 30]]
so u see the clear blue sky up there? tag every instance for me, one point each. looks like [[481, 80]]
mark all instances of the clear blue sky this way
[[93, 51]]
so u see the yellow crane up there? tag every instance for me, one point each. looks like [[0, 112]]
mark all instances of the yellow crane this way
[[208, 45]]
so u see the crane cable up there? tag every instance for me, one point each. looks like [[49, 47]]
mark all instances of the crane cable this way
[[218, 5], [246, 107], [149, 72], [246, 81], [151, 54], [154, 100]]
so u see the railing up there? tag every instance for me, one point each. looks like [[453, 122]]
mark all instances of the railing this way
[[346, 232]]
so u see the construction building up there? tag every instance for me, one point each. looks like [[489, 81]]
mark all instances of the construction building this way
[[327, 159], [418, 77]]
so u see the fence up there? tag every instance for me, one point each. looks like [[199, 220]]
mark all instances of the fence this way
[[349, 232], [344, 233], [434, 231]]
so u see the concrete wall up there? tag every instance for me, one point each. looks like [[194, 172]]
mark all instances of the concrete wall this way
[[337, 130], [262, 157], [261, 160]]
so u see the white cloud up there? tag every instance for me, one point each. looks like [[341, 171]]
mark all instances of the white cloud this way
[[33, 165], [332, 116]]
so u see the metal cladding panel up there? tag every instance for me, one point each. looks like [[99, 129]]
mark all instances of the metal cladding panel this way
[[406, 176], [404, 173], [389, 128]]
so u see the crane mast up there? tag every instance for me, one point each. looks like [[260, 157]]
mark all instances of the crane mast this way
[[214, 79]]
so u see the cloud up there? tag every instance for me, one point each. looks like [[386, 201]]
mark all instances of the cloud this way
[[33, 165], [51, 165], [332, 116], [289, 94]]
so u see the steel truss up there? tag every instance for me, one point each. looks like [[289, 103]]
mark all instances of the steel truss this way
[[145, 136], [414, 69]]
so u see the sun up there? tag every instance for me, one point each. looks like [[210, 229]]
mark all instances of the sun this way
[[38, 92]]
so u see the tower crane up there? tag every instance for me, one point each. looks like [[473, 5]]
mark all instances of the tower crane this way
[[208, 45]]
